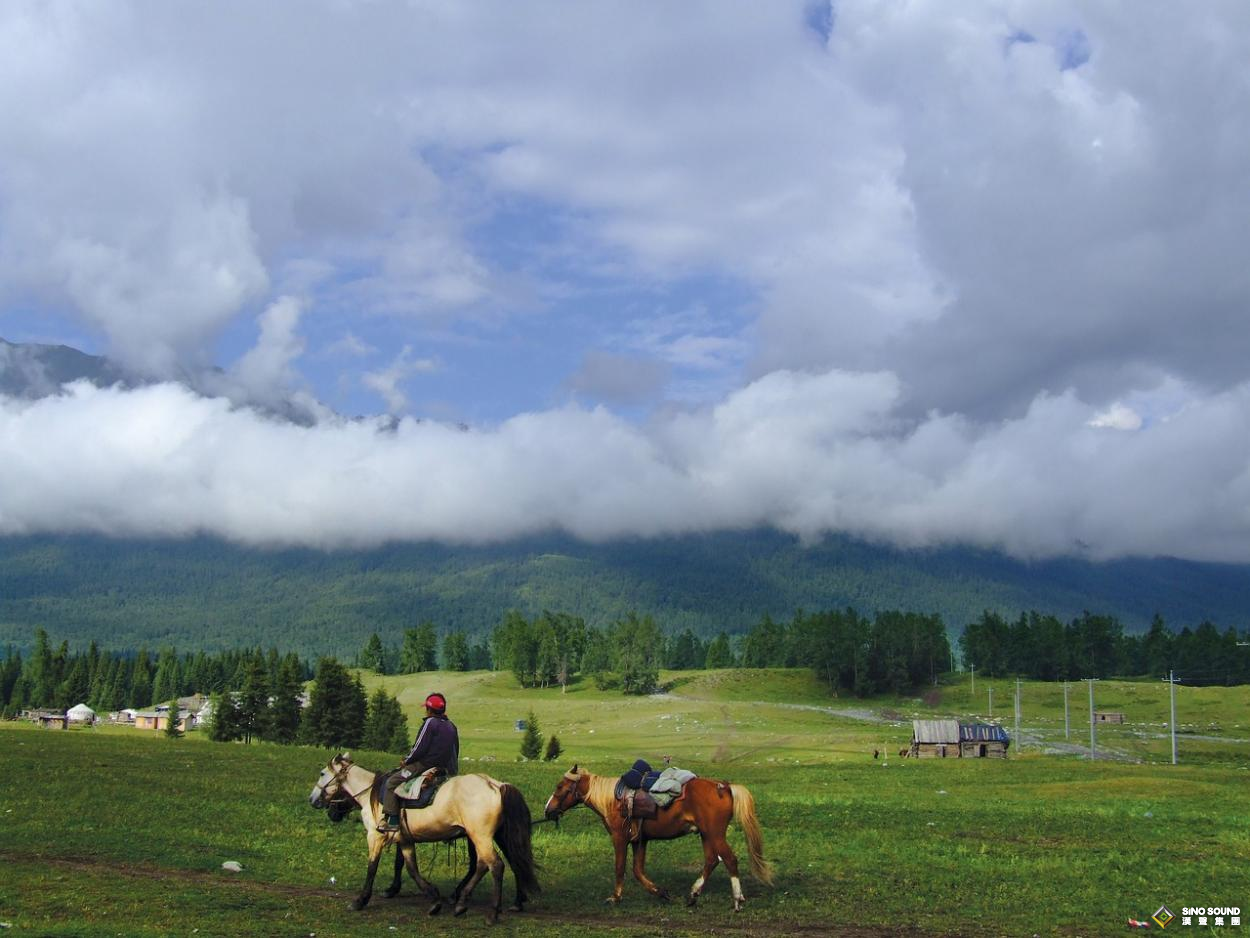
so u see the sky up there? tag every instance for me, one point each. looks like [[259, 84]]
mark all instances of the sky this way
[[924, 273]]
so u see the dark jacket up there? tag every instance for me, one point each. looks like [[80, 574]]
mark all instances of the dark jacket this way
[[438, 744]]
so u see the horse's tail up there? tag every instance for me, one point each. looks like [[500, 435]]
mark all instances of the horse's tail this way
[[744, 817], [513, 837]]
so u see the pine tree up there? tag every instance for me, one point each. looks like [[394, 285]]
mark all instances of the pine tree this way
[[254, 701], [532, 743], [286, 711], [373, 656], [172, 729], [224, 726], [553, 749], [385, 724], [336, 713]]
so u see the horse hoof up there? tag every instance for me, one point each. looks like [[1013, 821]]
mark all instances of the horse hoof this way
[[358, 904], [516, 907], [459, 910], [492, 918], [663, 895], [612, 900], [390, 893], [691, 901], [738, 903], [435, 909]]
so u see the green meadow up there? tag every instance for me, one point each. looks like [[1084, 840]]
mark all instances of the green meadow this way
[[110, 831]]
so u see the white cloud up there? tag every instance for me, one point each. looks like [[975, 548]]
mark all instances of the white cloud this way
[[386, 381], [806, 453]]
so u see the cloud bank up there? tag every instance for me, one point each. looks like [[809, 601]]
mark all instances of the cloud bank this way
[[801, 452]]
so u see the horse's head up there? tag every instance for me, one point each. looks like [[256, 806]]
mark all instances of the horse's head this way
[[569, 793], [330, 781]]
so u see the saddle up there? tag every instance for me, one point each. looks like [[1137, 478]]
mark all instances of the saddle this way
[[420, 790]]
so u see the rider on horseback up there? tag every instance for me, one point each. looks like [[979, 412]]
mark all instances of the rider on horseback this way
[[437, 746]]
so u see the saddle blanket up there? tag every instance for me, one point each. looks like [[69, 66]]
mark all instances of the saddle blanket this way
[[414, 796]]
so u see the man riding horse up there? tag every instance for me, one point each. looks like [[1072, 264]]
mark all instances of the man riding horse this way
[[437, 746]]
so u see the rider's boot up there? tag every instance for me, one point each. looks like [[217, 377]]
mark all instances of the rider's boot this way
[[389, 825]]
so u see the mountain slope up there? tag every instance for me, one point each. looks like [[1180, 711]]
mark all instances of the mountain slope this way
[[205, 593]]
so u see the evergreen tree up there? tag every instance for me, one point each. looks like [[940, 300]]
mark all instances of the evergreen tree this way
[[420, 649], [225, 724], [168, 678], [75, 689], [172, 728], [141, 681], [532, 741], [336, 713], [719, 653], [285, 712], [253, 701], [639, 645], [455, 652], [385, 724], [553, 749], [373, 655]]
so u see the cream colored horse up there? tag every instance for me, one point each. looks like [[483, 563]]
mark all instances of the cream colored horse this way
[[478, 807]]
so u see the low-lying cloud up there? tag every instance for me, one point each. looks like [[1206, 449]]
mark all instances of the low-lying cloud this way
[[804, 453]]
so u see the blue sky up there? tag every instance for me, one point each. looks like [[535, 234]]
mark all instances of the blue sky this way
[[910, 250]]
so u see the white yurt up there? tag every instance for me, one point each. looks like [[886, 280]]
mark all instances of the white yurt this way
[[81, 714]]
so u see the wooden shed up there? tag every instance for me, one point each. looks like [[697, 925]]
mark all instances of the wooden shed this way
[[983, 740], [935, 739], [1108, 716], [47, 718]]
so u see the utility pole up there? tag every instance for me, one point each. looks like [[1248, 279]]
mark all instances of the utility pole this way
[[1019, 745], [1171, 679], [991, 702], [1066, 727], [973, 669], [1091, 717]]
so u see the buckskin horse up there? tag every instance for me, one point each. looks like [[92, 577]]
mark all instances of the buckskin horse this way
[[704, 806], [478, 807]]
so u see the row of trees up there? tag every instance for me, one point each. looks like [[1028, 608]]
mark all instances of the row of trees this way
[[338, 713], [1042, 647], [419, 651], [54, 677]]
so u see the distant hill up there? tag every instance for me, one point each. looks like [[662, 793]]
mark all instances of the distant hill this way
[[208, 594]]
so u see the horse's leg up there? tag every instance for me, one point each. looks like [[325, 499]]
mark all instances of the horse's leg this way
[[377, 843], [468, 874], [710, 859], [640, 871], [619, 843], [496, 905], [409, 854], [731, 864], [484, 850], [391, 891]]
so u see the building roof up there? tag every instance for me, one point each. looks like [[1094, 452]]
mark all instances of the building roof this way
[[982, 733], [81, 710], [936, 731]]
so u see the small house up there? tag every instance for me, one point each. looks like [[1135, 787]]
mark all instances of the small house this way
[[80, 714], [158, 719], [1107, 716], [950, 739], [935, 739], [983, 740], [47, 719]]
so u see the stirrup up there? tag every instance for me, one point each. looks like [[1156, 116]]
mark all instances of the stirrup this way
[[388, 826]]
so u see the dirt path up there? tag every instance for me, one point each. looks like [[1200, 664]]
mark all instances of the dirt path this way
[[680, 921]]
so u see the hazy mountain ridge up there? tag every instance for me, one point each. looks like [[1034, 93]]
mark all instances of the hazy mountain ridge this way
[[210, 594]]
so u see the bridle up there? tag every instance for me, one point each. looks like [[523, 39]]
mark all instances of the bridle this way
[[339, 776], [578, 798]]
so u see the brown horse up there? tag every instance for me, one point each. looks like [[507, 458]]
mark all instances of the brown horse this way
[[477, 807], [705, 806]]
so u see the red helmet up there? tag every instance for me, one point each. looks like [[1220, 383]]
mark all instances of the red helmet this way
[[436, 702]]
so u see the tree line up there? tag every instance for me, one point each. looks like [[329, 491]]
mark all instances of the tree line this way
[[1041, 647]]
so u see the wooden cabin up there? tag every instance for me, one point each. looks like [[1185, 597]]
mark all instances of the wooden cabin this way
[[1108, 716], [47, 719], [983, 741], [950, 739], [935, 739]]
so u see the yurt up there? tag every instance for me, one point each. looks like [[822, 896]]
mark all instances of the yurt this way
[[81, 714]]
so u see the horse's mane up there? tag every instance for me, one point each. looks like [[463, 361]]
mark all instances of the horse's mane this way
[[601, 792]]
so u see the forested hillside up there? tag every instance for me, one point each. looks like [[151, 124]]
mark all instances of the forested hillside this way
[[204, 593]]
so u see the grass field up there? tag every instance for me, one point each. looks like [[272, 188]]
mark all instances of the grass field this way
[[112, 832]]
